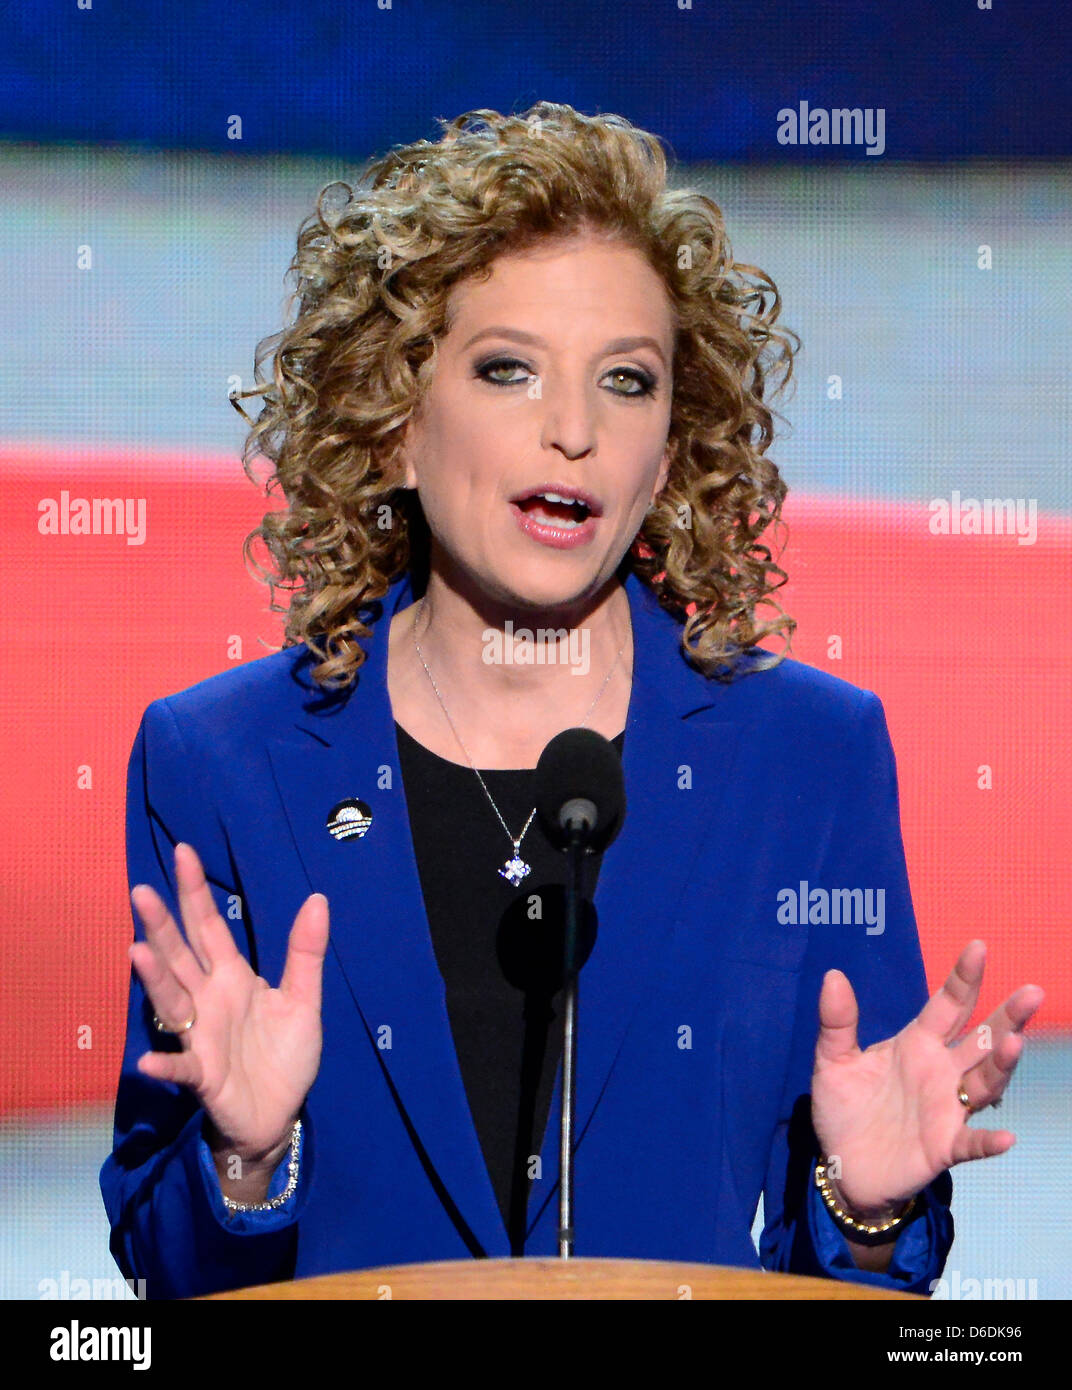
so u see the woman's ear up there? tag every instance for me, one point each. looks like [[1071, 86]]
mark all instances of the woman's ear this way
[[401, 467], [410, 435], [669, 455]]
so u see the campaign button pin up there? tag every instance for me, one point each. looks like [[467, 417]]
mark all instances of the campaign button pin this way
[[349, 819]]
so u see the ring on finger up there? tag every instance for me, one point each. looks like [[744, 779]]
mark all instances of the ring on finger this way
[[183, 1028], [962, 1096]]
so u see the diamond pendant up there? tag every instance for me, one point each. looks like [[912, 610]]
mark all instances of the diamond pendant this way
[[515, 869]]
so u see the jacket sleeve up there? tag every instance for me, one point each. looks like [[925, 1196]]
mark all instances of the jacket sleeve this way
[[169, 1226], [883, 962]]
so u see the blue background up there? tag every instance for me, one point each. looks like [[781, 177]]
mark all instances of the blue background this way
[[330, 78]]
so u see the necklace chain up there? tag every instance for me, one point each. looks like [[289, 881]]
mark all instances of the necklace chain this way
[[515, 869]]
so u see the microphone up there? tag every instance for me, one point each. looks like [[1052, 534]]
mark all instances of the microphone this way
[[580, 790], [580, 799]]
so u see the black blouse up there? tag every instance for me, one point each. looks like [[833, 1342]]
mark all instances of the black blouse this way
[[499, 950]]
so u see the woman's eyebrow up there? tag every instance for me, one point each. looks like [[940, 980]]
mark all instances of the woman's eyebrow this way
[[518, 335]]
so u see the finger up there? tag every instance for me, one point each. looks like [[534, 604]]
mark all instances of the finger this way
[[206, 925], [1008, 1018], [304, 968], [948, 1010], [172, 1004], [200, 916], [180, 1068], [839, 1015], [164, 937], [981, 1143], [985, 1083]]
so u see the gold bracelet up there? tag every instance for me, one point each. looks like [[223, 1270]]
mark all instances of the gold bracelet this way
[[866, 1233]]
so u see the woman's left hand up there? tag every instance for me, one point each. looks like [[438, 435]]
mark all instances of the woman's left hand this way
[[891, 1115]]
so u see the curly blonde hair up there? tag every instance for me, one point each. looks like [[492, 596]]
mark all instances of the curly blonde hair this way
[[374, 275]]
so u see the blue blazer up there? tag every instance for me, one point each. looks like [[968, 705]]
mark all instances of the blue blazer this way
[[698, 1006]]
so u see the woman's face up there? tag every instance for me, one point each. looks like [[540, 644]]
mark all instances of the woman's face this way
[[554, 371]]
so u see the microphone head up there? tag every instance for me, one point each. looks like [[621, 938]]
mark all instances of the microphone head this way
[[579, 764]]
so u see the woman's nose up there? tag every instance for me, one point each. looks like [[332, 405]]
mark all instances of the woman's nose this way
[[568, 420]]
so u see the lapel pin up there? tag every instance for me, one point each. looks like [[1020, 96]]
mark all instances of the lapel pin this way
[[349, 818]]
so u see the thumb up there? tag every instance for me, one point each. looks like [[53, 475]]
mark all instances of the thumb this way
[[838, 1017], [304, 968]]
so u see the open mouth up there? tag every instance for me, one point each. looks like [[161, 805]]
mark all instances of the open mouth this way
[[552, 509]]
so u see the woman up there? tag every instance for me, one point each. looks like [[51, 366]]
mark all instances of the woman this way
[[520, 425]]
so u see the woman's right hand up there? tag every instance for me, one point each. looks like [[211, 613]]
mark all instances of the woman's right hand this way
[[253, 1052]]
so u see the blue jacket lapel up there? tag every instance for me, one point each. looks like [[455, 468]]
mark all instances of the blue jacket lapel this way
[[646, 889], [380, 935]]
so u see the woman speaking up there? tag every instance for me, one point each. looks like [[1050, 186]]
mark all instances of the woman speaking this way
[[520, 424]]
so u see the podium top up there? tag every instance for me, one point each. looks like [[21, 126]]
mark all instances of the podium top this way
[[552, 1279]]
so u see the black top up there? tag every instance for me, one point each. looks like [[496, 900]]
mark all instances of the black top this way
[[499, 950]]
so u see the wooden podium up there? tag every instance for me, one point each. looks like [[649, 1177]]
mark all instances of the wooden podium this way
[[524, 1280]]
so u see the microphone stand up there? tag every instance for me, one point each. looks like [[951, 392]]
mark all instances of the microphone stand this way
[[578, 833], [576, 769]]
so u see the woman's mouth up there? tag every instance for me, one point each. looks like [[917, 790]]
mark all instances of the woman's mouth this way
[[554, 509], [551, 519]]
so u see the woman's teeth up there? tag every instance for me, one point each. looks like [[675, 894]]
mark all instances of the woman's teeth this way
[[554, 510]]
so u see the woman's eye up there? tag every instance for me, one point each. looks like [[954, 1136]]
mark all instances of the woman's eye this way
[[644, 381], [502, 364]]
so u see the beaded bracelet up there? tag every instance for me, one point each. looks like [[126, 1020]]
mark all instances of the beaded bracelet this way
[[863, 1232], [292, 1180]]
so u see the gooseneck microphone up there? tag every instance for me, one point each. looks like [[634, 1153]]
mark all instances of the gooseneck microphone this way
[[580, 800]]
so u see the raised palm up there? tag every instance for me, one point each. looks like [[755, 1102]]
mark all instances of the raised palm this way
[[891, 1114], [253, 1052]]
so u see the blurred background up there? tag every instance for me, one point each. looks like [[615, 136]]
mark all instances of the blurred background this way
[[154, 168]]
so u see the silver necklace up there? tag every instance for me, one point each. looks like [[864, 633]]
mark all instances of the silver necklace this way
[[515, 868]]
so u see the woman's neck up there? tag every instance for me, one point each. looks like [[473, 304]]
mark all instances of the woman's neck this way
[[510, 679]]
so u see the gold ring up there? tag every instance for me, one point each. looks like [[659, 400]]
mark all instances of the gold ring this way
[[184, 1028], [962, 1096]]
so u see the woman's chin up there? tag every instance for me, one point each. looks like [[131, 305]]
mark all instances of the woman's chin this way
[[539, 593]]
